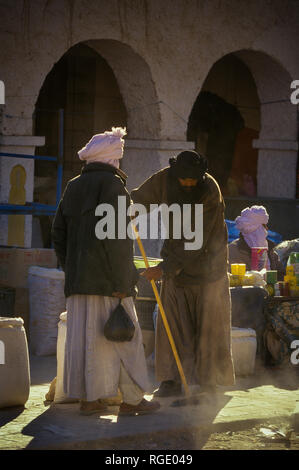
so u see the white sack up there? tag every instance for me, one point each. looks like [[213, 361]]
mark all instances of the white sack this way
[[14, 363], [47, 301], [244, 350]]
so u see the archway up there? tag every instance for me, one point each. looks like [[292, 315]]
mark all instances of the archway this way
[[136, 86], [98, 84], [223, 123], [80, 97], [84, 87], [252, 125]]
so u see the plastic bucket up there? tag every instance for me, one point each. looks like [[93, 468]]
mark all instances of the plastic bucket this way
[[258, 258]]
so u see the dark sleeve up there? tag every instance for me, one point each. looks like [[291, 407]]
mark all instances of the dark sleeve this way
[[59, 235], [213, 219], [149, 192], [171, 266], [214, 236], [119, 251]]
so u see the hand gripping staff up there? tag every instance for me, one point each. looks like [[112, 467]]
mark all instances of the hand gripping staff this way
[[163, 315]]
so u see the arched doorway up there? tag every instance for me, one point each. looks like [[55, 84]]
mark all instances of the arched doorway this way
[[83, 85], [98, 84], [80, 97], [264, 148], [252, 90], [224, 121]]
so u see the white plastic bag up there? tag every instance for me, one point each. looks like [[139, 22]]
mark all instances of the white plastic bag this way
[[256, 278]]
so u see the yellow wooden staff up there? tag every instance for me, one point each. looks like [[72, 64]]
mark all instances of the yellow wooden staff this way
[[163, 315]]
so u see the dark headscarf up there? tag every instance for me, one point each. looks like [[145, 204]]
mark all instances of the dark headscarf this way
[[187, 164]]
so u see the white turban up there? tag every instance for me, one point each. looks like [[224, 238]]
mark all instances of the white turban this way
[[251, 219], [250, 223], [107, 147]]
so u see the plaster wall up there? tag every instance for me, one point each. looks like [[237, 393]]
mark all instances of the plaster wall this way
[[144, 157], [21, 145], [161, 54], [177, 42]]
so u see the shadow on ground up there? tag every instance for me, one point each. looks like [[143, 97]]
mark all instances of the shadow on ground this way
[[187, 427], [62, 427], [9, 414], [42, 369], [284, 377]]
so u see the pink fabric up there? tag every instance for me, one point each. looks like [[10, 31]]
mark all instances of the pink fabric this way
[[250, 223], [107, 147], [251, 219]]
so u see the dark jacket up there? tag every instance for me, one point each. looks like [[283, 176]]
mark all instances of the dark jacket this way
[[91, 265], [189, 267], [240, 252]]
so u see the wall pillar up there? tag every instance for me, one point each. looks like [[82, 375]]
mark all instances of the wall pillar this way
[[277, 163], [24, 145], [142, 158]]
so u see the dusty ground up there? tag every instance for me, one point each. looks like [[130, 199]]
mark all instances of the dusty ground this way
[[252, 439], [255, 414], [274, 434], [246, 439]]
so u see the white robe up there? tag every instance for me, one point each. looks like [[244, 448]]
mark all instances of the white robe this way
[[92, 363]]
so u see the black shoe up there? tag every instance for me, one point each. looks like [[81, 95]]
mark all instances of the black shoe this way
[[144, 407], [168, 388]]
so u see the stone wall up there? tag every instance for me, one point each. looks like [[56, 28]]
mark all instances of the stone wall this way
[[161, 54], [17, 145], [163, 50]]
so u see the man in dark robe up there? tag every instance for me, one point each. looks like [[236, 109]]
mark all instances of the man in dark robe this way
[[195, 292]]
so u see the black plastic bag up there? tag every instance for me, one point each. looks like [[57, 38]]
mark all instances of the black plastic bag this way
[[119, 327]]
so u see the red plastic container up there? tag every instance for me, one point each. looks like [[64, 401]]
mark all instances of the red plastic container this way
[[258, 258]]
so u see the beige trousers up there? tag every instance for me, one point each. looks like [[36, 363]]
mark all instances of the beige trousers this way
[[199, 318], [131, 393]]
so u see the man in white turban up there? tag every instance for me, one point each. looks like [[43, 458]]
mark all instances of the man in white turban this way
[[252, 224], [99, 273]]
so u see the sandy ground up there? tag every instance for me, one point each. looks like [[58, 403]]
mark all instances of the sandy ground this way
[[255, 414]]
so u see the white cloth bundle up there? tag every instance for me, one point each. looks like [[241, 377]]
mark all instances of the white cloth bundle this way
[[107, 147]]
